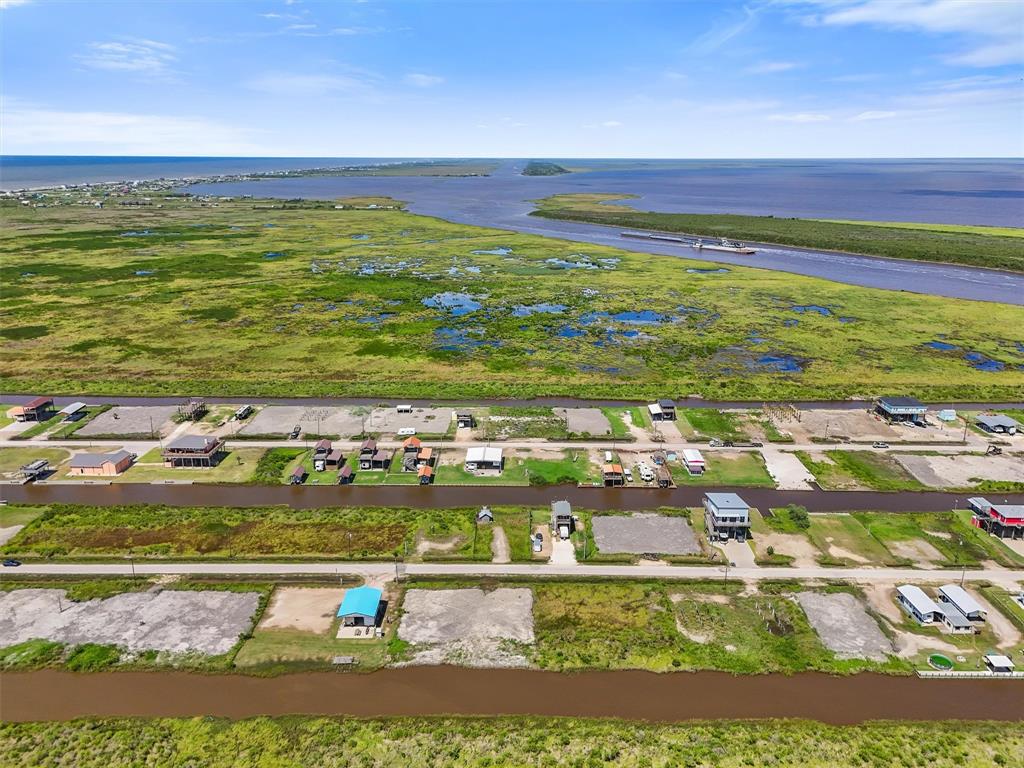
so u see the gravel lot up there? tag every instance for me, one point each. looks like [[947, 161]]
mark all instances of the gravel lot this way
[[308, 609], [961, 471], [844, 626], [280, 419], [170, 620], [423, 420], [131, 420], [468, 627], [645, 532], [591, 421]]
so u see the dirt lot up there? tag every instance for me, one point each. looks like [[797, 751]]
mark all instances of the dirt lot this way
[[173, 621], [961, 471], [585, 420], [308, 609], [131, 420], [921, 552], [280, 419], [468, 627], [423, 420], [795, 545], [844, 626], [643, 532], [857, 425], [882, 600]]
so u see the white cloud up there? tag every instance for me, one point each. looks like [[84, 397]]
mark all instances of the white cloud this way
[[5, 4], [147, 57], [771, 67], [27, 129], [611, 124], [800, 117], [673, 75], [421, 80], [875, 114], [293, 84], [299, 27], [993, 26], [724, 31]]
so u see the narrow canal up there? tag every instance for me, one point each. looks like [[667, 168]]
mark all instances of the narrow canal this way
[[437, 497], [53, 695]]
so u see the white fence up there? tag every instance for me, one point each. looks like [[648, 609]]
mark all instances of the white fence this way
[[979, 673]]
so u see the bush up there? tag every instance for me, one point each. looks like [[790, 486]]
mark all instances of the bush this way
[[91, 657]]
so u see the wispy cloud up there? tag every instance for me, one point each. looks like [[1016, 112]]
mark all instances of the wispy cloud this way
[[5, 4], [147, 57], [421, 80], [31, 129], [771, 67], [300, 84], [725, 31], [875, 114], [800, 117], [992, 26]]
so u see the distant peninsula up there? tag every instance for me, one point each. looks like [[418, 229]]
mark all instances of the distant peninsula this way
[[536, 168]]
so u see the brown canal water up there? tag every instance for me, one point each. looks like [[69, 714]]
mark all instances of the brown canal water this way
[[436, 497], [53, 695]]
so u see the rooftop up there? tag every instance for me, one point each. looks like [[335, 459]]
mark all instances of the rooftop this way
[[485, 455], [902, 402], [961, 598], [361, 601], [726, 501], [96, 460], [996, 420], [193, 443], [918, 599], [561, 508]]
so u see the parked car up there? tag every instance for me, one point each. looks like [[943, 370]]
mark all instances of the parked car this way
[[296, 431], [11, 563], [538, 542], [628, 473], [406, 432], [879, 444], [714, 442], [646, 473]]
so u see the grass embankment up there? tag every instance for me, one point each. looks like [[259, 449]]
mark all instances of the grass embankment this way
[[352, 296], [859, 469], [502, 742], [996, 247]]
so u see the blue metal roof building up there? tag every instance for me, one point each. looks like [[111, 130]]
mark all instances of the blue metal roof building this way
[[360, 605]]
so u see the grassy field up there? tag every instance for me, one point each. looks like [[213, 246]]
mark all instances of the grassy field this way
[[859, 469], [504, 742], [238, 466], [13, 459], [708, 423], [746, 468], [843, 540], [976, 246], [10, 516], [956, 228], [246, 298], [659, 627], [231, 532]]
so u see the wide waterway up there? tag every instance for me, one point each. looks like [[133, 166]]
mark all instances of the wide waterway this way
[[440, 497], [416, 691], [901, 190]]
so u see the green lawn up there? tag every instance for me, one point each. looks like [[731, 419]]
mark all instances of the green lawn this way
[[13, 459], [4, 419], [238, 466], [269, 648], [11, 515], [844, 540], [224, 305], [844, 469], [574, 468], [620, 430], [708, 423], [723, 469]]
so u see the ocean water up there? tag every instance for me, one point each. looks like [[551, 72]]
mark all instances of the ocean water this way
[[952, 191]]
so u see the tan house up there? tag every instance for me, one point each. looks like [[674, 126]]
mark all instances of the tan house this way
[[100, 464]]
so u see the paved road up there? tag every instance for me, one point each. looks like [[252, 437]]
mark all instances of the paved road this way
[[1008, 578]]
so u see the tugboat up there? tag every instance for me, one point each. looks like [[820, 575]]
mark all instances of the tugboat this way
[[724, 244]]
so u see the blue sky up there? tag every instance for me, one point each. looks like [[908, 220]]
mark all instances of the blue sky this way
[[762, 78]]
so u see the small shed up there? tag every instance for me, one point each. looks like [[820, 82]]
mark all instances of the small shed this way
[[411, 444], [464, 420], [99, 464], [663, 476], [485, 515], [298, 476], [425, 474], [361, 607], [999, 663], [694, 462], [345, 475], [668, 409], [72, 412]]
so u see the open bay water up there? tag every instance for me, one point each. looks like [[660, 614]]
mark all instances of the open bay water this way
[[954, 191]]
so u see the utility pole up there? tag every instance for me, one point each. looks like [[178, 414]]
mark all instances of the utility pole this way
[[963, 562], [726, 570]]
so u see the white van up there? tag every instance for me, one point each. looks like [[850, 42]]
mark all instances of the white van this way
[[404, 408], [646, 473], [406, 432]]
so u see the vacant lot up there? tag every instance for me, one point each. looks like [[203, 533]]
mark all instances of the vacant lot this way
[[643, 533], [963, 471], [844, 626], [13, 459], [861, 425], [131, 421], [424, 307], [585, 421], [208, 622], [727, 468], [238, 532], [281, 419], [469, 627], [308, 609]]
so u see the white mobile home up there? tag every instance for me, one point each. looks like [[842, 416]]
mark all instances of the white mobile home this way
[[918, 604], [694, 462]]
